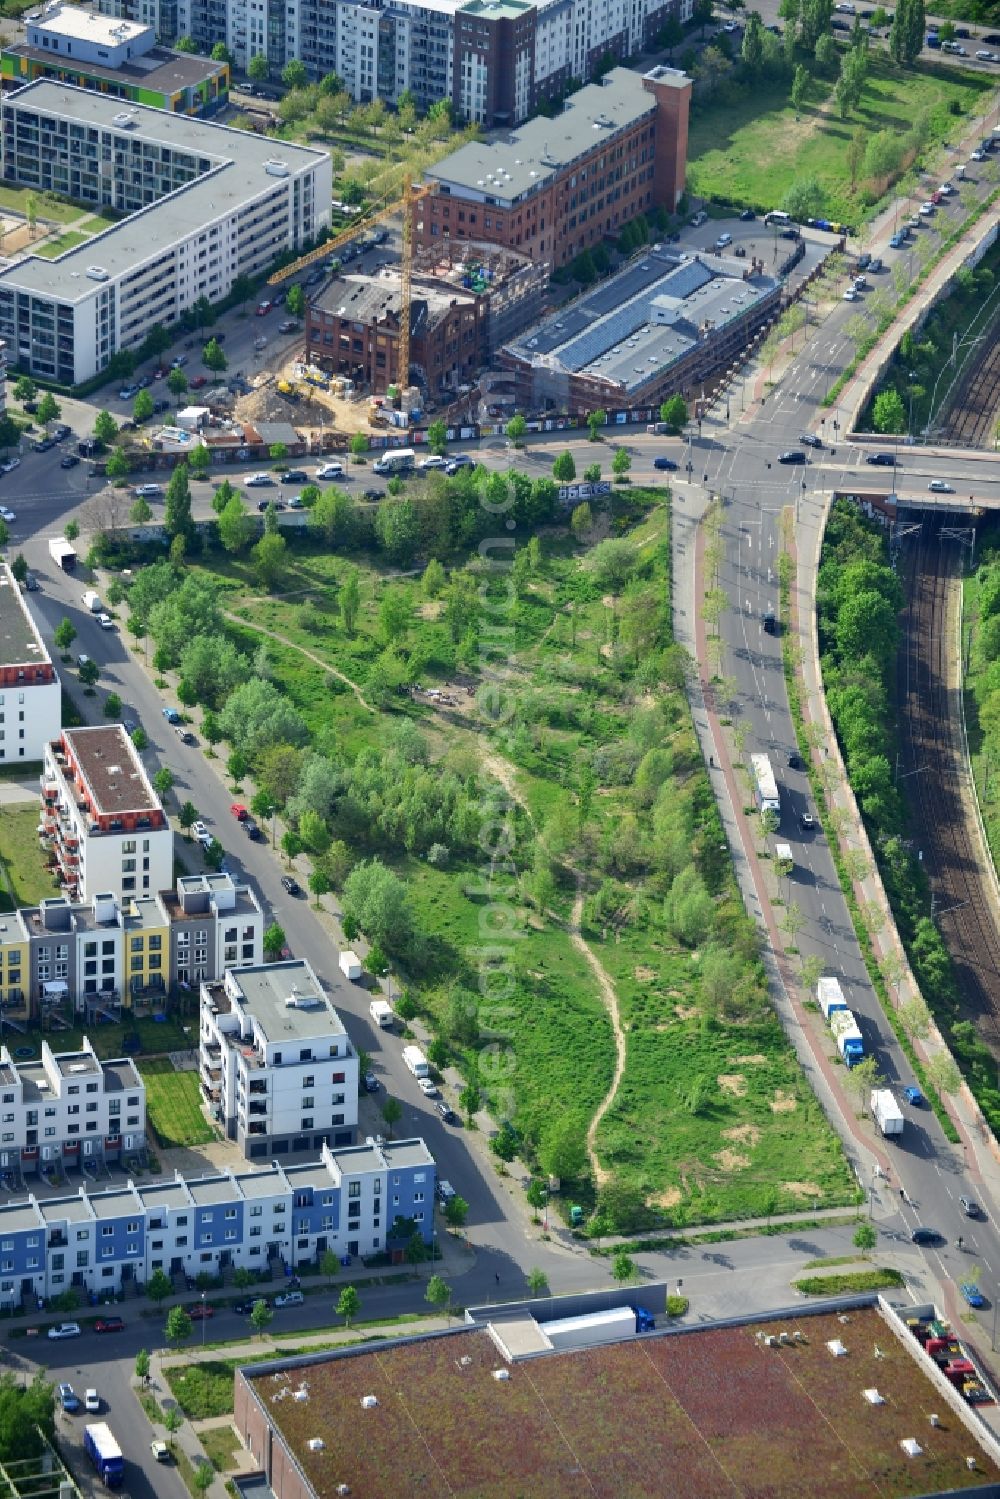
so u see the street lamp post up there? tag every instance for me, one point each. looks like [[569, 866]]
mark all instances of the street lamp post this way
[[203, 1319]]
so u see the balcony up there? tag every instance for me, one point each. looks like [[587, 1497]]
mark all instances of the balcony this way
[[257, 1088], [257, 1111], [257, 1129]]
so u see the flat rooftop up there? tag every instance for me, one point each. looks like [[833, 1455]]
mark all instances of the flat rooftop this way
[[161, 69], [108, 762], [269, 1181], [232, 163], [119, 1204], [208, 1191], [120, 1075], [636, 325], [73, 1064], [85, 26], [20, 642], [267, 987], [165, 1194], [693, 1415], [16, 1217], [510, 169]]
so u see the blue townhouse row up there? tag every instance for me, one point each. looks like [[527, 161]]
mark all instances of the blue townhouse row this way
[[347, 1201]]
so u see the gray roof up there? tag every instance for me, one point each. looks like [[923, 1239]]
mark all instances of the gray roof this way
[[236, 175], [632, 328], [66, 1210], [120, 1074], [160, 69], [116, 1204], [269, 1181], [209, 1190], [165, 1195], [18, 1216], [20, 642], [268, 986], [510, 169]]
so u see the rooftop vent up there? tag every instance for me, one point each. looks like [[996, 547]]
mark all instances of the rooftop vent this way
[[837, 1348], [124, 119], [315, 1444], [873, 1397], [369, 1402], [97, 273], [911, 1447], [274, 167]]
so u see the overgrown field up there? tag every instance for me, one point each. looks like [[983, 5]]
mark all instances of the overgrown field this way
[[24, 876], [752, 147], [173, 1104], [487, 751]]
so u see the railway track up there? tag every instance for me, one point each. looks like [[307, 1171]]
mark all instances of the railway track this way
[[972, 416], [933, 764]]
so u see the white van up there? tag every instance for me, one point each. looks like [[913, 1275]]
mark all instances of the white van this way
[[701, 217], [779, 218], [723, 240]]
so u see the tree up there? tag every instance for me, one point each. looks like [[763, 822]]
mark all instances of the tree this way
[[538, 1281], [105, 428], [187, 816], [865, 1237], [564, 468], [294, 75], [621, 464], [752, 48], [19, 567], [142, 1364], [177, 384], [142, 407], [392, 1112], [378, 901], [350, 600], [177, 519], [260, 1315], [674, 412], [536, 1194], [595, 421], [803, 199], [236, 526], [319, 884], [200, 460], [888, 412], [800, 87], [257, 69], [623, 1268], [470, 1101], [179, 1327], [65, 634], [49, 409], [825, 52], [348, 1304], [295, 301], [213, 356], [358, 446], [270, 560], [437, 437], [942, 1073], [274, 940], [581, 522], [173, 1420], [204, 1477], [456, 1210], [117, 467], [515, 429], [438, 1293], [563, 1150], [395, 614], [140, 511], [163, 780], [25, 388]]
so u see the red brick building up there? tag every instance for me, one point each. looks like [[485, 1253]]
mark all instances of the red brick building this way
[[557, 187]]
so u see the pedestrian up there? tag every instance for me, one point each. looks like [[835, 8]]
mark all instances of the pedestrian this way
[[498, 1277], [711, 761], [902, 1192]]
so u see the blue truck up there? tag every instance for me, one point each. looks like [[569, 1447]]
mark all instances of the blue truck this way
[[105, 1454], [933, 40]]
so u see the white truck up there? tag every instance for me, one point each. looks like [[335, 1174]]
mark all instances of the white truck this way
[[886, 1111], [382, 1013], [847, 1034], [350, 965], [63, 553], [416, 1061], [92, 601], [830, 997], [765, 787], [395, 461]]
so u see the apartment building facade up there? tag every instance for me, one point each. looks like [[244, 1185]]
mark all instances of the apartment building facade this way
[[277, 1067], [100, 1241], [30, 694], [106, 830], [90, 961], [68, 1111], [557, 187], [203, 205]]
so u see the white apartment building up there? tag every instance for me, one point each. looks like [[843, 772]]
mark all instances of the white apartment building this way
[[276, 1063], [30, 694], [103, 820], [203, 205], [68, 1110]]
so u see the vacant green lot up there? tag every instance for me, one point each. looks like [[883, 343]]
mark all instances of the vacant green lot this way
[[24, 875], [16, 199], [67, 241], [608, 796], [752, 149], [173, 1103]]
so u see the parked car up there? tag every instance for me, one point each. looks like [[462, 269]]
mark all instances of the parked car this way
[[239, 811], [794, 761], [370, 1082], [179, 362], [807, 822], [147, 491], [811, 440], [446, 1111], [160, 1450], [295, 476], [8, 515], [938, 486], [257, 481], [263, 308], [290, 885], [791, 457], [198, 381], [244, 1307], [92, 1401], [9, 465], [65, 1330], [68, 1398], [69, 460], [290, 1298], [200, 1311], [105, 621], [171, 715], [200, 829], [428, 1088], [432, 461], [972, 1293], [913, 1095], [459, 460], [332, 470], [184, 735], [666, 464], [288, 326], [748, 216], [252, 830], [444, 1192]]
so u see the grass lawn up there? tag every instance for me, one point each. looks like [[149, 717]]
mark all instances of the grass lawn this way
[[107, 1040], [67, 241], [712, 1112], [24, 876], [751, 149], [15, 198], [221, 1445], [173, 1103]]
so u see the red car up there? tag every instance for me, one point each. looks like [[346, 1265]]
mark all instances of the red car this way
[[198, 382], [201, 1311], [263, 308], [109, 1324], [239, 811]]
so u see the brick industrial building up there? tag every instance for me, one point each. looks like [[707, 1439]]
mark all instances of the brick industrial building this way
[[660, 327], [466, 301], [557, 187]]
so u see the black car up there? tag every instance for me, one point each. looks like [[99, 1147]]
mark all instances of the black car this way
[[447, 1113], [794, 761], [747, 216], [370, 1082], [373, 494], [807, 822], [252, 830], [791, 457], [262, 505], [69, 461], [31, 407], [962, 32], [667, 463], [925, 1236], [769, 622], [882, 460], [811, 440], [244, 1307], [161, 406], [61, 432], [295, 476], [790, 234], [291, 886]]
